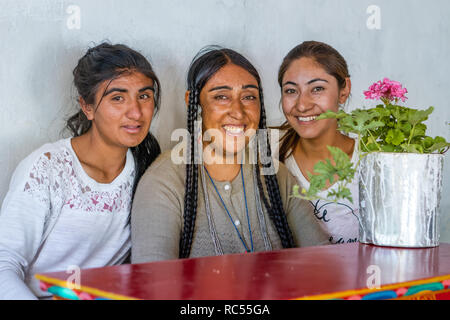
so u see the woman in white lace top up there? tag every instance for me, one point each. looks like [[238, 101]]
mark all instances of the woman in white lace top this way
[[69, 202], [314, 78]]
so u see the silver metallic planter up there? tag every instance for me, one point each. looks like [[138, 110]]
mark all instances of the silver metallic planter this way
[[399, 196]]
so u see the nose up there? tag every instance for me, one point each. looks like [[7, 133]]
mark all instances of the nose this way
[[134, 111], [237, 109], [303, 103]]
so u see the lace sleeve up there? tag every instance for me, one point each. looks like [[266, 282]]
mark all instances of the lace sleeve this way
[[37, 183]]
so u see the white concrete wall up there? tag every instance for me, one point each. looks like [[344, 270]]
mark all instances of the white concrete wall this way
[[41, 41]]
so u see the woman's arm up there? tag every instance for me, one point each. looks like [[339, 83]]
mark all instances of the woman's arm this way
[[300, 213], [156, 215], [22, 220], [21, 229]]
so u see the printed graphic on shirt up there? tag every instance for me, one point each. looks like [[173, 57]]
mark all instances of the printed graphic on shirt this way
[[339, 219]]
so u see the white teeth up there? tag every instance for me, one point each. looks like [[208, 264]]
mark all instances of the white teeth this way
[[233, 129], [307, 118]]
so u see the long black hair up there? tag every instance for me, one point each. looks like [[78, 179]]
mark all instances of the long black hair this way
[[106, 62], [204, 65]]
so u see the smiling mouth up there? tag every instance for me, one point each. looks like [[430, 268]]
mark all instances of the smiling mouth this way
[[306, 119], [233, 130]]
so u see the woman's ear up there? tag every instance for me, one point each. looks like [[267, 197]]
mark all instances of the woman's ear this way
[[345, 92], [186, 98], [87, 109]]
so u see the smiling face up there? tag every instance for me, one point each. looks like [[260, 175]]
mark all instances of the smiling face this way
[[307, 91], [124, 114], [231, 107]]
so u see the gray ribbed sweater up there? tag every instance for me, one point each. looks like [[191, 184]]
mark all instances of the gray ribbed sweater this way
[[157, 214]]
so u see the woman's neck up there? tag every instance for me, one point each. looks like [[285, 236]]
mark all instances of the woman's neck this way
[[101, 161], [222, 168], [309, 151], [316, 149]]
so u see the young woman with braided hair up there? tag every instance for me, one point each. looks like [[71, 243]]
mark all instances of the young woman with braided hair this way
[[218, 202], [69, 201]]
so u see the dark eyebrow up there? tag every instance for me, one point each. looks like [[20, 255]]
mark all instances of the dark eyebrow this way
[[314, 80], [250, 86], [115, 89], [125, 90], [147, 88], [247, 86], [289, 82], [220, 88]]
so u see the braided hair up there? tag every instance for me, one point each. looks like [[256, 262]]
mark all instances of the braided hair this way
[[106, 62], [204, 65]]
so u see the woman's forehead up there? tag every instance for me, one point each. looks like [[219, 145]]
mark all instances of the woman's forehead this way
[[302, 71], [128, 79], [231, 75]]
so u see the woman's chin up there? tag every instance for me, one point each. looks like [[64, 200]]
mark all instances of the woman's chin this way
[[234, 150]]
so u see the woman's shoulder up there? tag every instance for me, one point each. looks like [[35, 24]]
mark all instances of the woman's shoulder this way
[[165, 169], [45, 157], [284, 174], [41, 169]]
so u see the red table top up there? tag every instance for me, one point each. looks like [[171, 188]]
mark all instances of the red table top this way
[[282, 274]]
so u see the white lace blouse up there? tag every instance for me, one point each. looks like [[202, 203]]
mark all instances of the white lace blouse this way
[[55, 216]]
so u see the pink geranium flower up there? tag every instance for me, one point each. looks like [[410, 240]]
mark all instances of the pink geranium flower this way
[[387, 89]]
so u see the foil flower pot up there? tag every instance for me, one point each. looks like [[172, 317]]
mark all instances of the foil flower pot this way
[[399, 195]]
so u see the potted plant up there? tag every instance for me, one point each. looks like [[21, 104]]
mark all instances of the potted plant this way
[[399, 170]]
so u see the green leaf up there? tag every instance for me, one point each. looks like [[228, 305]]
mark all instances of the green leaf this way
[[395, 137], [381, 112], [439, 139], [374, 125], [405, 127], [412, 148], [427, 142], [438, 146], [327, 171], [372, 147], [340, 193], [332, 115], [316, 184], [417, 116], [388, 148], [419, 129]]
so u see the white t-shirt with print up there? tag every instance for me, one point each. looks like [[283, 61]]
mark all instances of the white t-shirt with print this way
[[340, 220]]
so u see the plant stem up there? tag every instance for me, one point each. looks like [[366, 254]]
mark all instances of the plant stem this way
[[374, 140], [410, 135], [365, 146]]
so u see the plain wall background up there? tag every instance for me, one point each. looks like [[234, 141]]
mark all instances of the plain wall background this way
[[40, 48]]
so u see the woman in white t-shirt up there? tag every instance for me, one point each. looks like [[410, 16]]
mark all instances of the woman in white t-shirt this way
[[69, 202], [314, 78]]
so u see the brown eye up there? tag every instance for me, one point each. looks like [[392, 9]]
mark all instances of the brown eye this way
[[289, 91], [220, 97], [117, 98], [318, 89], [144, 96]]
